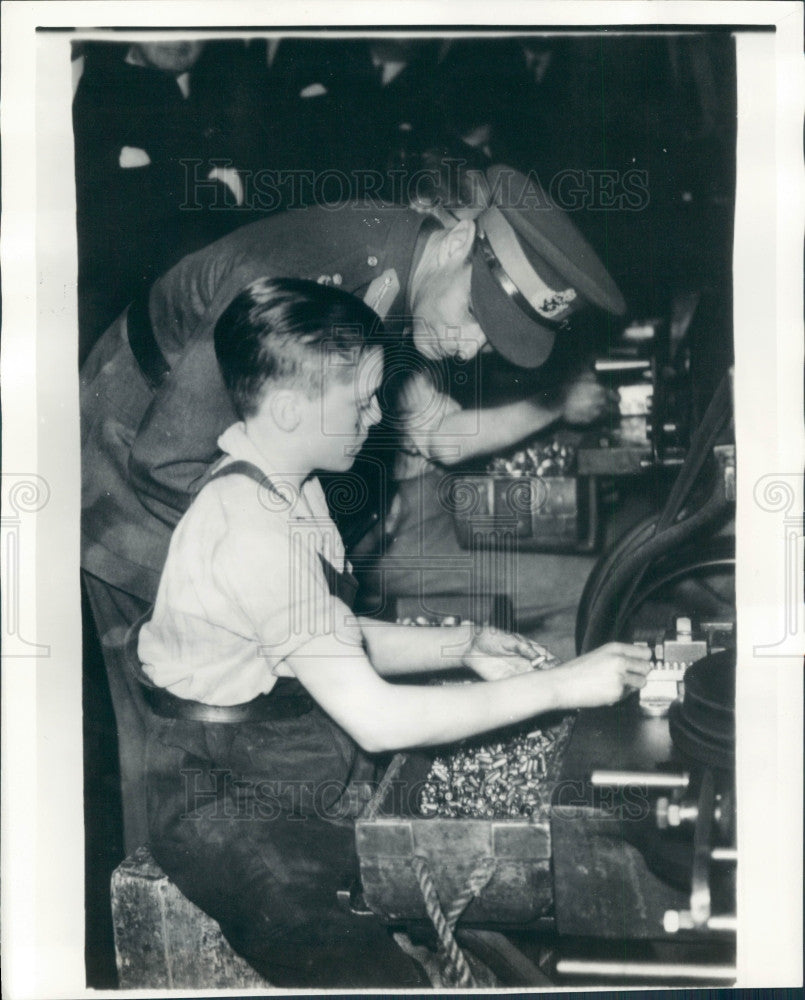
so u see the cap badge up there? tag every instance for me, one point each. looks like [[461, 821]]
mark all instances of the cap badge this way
[[555, 303]]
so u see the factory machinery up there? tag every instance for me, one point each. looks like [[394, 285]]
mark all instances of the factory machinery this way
[[599, 848]]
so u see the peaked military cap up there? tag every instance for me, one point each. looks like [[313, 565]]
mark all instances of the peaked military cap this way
[[531, 268]]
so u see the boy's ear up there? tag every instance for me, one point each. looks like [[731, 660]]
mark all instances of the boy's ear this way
[[285, 410], [457, 242]]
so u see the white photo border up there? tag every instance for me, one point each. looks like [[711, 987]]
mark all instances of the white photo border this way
[[42, 788]]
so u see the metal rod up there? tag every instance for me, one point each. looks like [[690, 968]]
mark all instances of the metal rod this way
[[646, 970], [724, 854], [648, 779], [622, 365], [682, 920], [725, 922], [700, 897]]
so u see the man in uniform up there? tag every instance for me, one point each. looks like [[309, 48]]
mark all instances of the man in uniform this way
[[153, 402]]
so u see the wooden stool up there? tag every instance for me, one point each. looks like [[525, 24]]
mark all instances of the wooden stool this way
[[163, 941]]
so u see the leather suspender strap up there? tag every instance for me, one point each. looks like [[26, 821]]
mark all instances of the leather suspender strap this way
[[344, 586], [240, 467], [150, 359]]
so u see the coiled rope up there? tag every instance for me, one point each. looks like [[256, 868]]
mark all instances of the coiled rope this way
[[445, 922]]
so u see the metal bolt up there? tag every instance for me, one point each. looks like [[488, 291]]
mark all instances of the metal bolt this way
[[676, 920], [684, 628]]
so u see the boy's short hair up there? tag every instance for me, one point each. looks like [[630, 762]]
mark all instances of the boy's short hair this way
[[283, 330]]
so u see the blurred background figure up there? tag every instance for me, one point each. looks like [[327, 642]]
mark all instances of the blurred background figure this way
[[349, 110], [161, 129], [314, 96]]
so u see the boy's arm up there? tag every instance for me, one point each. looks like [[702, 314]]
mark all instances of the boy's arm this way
[[397, 650], [383, 717]]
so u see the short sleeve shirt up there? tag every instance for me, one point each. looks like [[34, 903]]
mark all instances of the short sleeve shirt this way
[[243, 586]]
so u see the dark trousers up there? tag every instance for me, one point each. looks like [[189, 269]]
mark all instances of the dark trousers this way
[[253, 822], [114, 612]]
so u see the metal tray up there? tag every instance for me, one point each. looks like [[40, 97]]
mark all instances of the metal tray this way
[[551, 513]]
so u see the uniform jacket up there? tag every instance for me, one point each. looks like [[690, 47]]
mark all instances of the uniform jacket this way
[[146, 451]]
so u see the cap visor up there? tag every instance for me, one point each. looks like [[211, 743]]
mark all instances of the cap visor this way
[[550, 234], [510, 332]]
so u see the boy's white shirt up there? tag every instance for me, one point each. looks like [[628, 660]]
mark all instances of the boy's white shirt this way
[[243, 587]]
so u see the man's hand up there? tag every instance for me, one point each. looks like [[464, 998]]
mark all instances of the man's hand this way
[[494, 655], [586, 400], [603, 676]]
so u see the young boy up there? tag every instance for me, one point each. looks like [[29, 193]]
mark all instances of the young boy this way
[[267, 693]]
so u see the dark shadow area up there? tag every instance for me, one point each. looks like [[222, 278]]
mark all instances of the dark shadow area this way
[[103, 848]]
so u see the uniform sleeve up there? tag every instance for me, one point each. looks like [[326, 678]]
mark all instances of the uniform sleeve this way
[[277, 580], [176, 441]]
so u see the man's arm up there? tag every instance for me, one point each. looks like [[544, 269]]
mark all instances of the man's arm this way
[[466, 434]]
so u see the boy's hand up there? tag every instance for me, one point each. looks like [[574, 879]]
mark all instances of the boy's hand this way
[[603, 676], [494, 655]]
